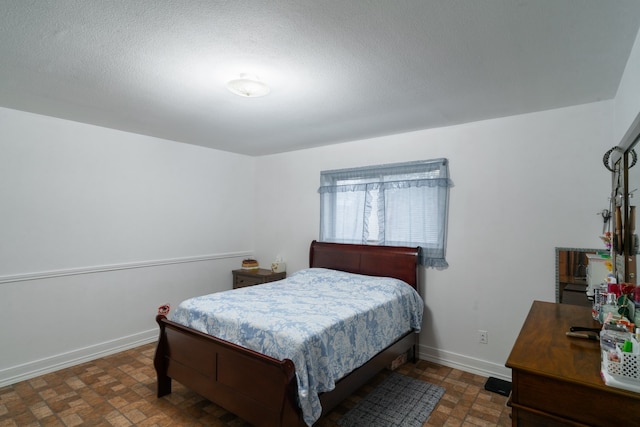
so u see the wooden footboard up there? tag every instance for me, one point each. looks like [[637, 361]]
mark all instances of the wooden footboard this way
[[258, 388]]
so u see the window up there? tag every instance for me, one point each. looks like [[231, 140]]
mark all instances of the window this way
[[401, 204]]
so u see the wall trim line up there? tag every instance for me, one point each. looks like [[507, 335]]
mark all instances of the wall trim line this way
[[115, 267]]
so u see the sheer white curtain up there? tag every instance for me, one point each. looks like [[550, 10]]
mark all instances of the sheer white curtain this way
[[401, 204]]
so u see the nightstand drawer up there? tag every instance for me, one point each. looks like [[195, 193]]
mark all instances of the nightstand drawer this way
[[241, 281], [242, 278]]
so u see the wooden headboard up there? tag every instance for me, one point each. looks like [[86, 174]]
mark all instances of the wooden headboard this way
[[399, 262]]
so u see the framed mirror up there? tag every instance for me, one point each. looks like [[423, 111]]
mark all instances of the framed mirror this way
[[618, 209], [630, 144], [632, 183], [572, 274]]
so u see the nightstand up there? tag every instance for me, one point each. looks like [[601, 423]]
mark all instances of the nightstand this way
[[242, 278]]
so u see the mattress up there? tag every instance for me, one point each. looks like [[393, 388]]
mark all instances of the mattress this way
[[327, 322]]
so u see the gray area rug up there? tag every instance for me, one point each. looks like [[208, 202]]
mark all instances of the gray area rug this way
[[398, 401]]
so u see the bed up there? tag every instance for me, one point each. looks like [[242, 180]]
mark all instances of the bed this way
[[261, 389]]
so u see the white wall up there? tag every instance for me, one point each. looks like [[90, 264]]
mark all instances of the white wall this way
[[523, 186], [627, 100], [100, 227]]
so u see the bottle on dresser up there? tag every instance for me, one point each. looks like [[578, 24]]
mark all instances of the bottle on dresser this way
[[610, 306]]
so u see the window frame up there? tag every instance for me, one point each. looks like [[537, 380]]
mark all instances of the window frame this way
[[384, 178]]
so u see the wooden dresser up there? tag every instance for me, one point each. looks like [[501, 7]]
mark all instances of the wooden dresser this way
[[556, 379]]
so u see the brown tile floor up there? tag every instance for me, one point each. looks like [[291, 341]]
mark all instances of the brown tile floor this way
[[119, 390]]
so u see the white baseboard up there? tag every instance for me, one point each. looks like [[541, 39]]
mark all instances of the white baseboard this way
[[36, 368], [30, 370], [464, 363]]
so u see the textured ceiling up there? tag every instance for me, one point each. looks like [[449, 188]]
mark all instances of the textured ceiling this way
[[339, 70]]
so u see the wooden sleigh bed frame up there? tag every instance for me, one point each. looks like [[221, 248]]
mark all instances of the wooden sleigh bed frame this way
[[258, 388]]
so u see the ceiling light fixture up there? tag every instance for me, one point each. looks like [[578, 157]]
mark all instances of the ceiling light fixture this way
[[248, 86]]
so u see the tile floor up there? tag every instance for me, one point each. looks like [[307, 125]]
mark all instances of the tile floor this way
[[119, 390]]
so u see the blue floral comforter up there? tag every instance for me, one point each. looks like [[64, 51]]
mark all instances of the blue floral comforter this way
[[327, 322]]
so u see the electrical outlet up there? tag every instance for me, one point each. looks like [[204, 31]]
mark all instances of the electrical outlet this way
[[483, 337]]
